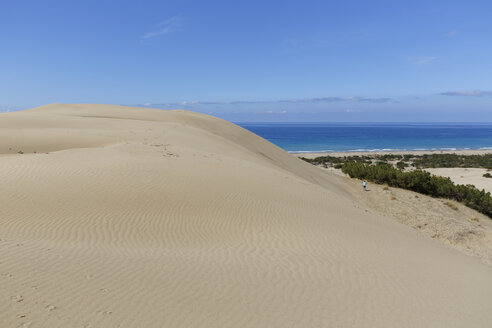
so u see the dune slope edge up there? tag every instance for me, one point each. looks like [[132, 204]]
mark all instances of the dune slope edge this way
[[134, 217]]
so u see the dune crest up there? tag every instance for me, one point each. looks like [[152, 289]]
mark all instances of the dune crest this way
[[136, 217]]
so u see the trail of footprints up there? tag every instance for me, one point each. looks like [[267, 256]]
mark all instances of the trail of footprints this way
[[161, 148], [20, 301], [164, 150]]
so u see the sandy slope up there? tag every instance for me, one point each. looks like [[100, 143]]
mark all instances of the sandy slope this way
[[448, 221], [130, 217]]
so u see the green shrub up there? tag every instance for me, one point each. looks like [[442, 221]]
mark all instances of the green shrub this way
[[419, 161], [453, 160], [487, 175], [422, 182], [401, 165]]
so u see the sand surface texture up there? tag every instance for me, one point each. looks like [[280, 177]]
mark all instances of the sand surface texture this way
[[129, 217], [445, 220], [460, 175]]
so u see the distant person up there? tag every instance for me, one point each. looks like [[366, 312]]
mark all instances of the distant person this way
[[364, 184]]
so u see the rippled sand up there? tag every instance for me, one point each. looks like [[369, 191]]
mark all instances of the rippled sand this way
[[129, 217]]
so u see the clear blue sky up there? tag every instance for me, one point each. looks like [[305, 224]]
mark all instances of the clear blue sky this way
[[254, 60]]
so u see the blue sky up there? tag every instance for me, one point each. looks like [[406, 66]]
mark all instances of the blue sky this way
[[253, 60]]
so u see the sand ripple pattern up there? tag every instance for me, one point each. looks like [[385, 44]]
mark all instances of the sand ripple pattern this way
[[129, 217]]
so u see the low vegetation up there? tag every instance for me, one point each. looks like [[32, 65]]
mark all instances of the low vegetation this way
[[393, 170], [422, 182], [453, 160], [409, 160], [337, 162], [452, 205]]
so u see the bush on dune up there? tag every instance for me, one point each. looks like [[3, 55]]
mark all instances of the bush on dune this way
[[422, 182]]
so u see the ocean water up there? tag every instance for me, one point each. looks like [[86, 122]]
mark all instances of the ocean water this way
[[332, 137]]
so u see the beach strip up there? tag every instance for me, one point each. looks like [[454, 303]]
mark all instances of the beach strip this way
[[393, 152]]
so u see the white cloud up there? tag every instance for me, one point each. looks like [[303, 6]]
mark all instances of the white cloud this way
[[188, 103], [468, 93], [450, 34], [276, 112], [168, 26], [421, 61], [282, 101], [9, 108]]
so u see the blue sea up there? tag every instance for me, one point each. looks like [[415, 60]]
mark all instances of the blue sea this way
[[334, 137]]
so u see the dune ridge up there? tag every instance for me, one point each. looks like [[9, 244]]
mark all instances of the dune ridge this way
[[136, 217]]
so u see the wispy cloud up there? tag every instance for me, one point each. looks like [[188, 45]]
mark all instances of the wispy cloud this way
[[10, 108], [450, 34], [337, 99], [421, 61], [468, 93], [290, 101], [168, 26], [276, 111], [330, 39]]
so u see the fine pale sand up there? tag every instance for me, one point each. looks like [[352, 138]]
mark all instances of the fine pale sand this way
[[472, 176], [128, 217], [448, 221]]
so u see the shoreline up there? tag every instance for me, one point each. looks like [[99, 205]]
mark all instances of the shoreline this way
[[394, 152]]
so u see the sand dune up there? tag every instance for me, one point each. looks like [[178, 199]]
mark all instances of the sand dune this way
[[130, 217]]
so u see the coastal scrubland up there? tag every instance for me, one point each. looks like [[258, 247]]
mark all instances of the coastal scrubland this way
[[391, 169], [445, 160], [422, 182]]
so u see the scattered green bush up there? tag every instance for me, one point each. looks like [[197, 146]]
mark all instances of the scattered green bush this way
[[418, 161], [389, 157], [453, 160], [401, 165], [487, 175], [422, 182], [328, 161]]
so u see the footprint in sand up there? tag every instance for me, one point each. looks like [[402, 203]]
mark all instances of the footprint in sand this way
[[50, 308], [25, 324], [17, 298], [104, 312]]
